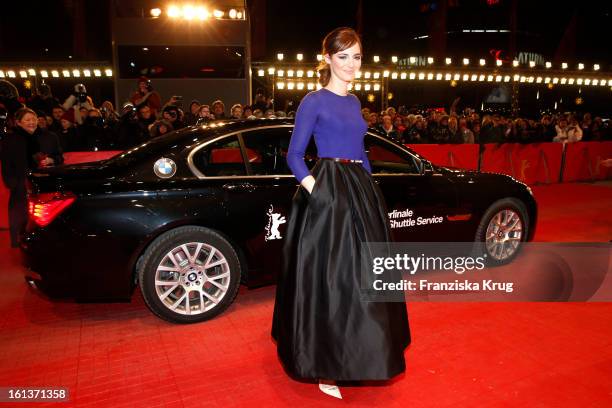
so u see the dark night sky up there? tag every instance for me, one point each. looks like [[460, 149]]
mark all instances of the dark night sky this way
[[388, 27]]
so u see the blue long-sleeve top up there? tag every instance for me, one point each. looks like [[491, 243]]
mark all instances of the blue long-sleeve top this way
[[337, 126]]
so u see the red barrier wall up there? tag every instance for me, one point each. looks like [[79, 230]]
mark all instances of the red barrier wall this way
[[84, 157], [4, 196], [463, 156], [496, 158], [583, 161], [535, 163]]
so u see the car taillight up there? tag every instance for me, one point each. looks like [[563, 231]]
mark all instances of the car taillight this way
[[45, 207]]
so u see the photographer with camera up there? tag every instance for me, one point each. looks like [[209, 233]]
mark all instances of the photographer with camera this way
[[172, 114], [146, 95], [78, 100], [129, 131]]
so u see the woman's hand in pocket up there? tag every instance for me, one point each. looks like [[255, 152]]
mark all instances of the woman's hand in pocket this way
[[308, 183]]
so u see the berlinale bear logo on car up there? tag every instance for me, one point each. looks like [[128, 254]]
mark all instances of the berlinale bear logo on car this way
[[274, 221]]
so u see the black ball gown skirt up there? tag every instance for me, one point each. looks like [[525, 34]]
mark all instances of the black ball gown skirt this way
[[323, 329]]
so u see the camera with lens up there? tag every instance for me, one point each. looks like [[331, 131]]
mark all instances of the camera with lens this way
[[80, 92], [128, 112]]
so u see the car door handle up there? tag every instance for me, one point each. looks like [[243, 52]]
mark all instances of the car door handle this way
[[240, 187]]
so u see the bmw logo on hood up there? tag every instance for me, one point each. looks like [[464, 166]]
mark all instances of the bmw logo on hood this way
[[164, 168]]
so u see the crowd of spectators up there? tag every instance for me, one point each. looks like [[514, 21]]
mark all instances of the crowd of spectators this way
[[437, 126], [83, 126]]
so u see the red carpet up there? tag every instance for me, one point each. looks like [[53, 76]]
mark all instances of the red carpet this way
[[574, 212], [463, 354]]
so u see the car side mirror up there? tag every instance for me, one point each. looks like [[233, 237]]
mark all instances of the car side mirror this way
[[426, 168]]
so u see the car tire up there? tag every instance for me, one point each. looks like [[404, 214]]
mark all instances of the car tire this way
[[189, 275], [502, 230]]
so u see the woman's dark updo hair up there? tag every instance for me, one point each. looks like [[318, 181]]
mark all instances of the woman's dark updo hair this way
[[338, 40]]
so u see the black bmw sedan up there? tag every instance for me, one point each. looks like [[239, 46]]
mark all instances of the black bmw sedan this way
[[191, 215]]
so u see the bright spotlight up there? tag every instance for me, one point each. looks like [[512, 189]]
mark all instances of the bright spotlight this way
[[202, 13], [188, 12], [174, 12]]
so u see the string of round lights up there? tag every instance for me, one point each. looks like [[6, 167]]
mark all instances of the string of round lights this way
[[56, 72]]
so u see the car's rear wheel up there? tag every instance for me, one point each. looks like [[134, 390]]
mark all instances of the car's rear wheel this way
[[188, 275], [502, 230]]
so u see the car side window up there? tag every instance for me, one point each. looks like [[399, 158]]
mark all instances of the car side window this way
[[385, 158], [267, 150], [221, 158]]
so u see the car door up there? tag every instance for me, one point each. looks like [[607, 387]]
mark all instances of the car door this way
[[419, 203], [247, 173], [265, 208]]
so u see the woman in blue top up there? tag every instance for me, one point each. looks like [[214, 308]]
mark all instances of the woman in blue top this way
[[324, 330]]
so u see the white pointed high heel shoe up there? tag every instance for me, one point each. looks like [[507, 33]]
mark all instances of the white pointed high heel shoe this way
[[330, 389]]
